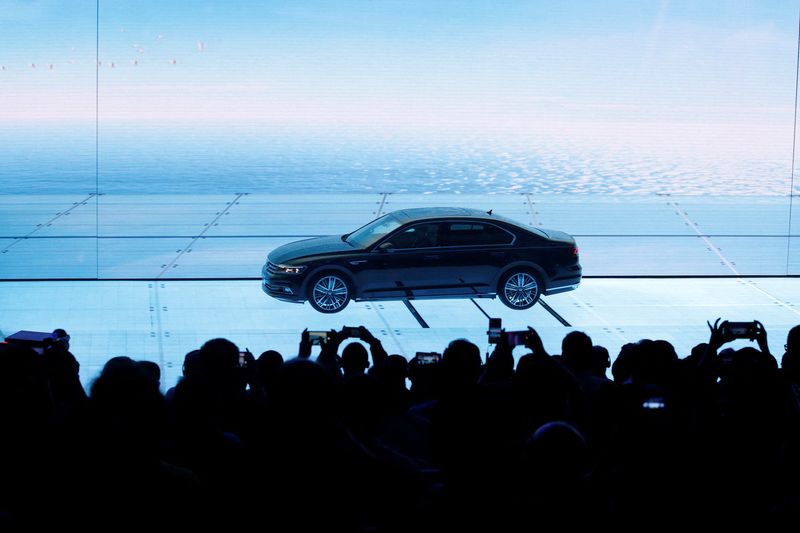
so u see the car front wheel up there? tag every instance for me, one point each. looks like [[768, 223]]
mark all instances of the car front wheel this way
[[329, 292], [519, 289]]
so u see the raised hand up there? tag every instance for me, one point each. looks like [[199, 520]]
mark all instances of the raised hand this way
[[503, 347], [365, 335], [761, 337], [718, 335], [534, 342], [304, 351], [335, 338]]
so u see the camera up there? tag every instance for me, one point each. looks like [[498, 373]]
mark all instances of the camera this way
[[350, 331], [517, 338], [494, 330], [740, 330], [317, 337], [427, 358]]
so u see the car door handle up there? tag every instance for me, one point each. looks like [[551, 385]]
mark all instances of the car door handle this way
[[358, 262], [431, 256]]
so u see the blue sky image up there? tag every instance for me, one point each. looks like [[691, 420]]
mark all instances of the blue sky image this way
[[682, 76]]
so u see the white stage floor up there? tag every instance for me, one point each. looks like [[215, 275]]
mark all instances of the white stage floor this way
[[163, 320]]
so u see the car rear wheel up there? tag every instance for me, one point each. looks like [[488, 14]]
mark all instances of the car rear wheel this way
[[329, 292], [519, 289]]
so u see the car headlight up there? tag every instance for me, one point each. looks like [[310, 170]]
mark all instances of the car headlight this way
[[286, 269]]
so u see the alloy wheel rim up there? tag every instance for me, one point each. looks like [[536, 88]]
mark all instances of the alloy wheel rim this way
[[330, 293], [521, 289]]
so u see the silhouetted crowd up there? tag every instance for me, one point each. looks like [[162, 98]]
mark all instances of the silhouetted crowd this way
[[339, 441]]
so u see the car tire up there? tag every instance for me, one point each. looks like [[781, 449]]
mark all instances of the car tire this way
[[329, 292], [520, 288]]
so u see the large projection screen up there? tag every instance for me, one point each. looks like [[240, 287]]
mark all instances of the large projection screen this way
[[161, 139]]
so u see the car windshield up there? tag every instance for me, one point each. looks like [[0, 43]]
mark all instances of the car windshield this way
[[370, 234]]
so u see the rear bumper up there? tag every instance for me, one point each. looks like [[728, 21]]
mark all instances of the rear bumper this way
[[562, 288], [568, 282]]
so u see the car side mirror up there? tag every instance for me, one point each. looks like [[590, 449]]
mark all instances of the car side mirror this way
[[386, 247]]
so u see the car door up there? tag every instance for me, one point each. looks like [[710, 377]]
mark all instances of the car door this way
[[403, 265], [472, 254]]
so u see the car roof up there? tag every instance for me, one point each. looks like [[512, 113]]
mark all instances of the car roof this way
[[423, 213], [416, 214]]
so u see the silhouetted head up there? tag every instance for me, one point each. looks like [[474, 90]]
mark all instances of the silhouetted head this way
[[59, 362], [742, 369], [152, 370], [267, 365], [461, 364], [219, 359], [542, 376], [601, 361], [576, 348], [61, 337], [747, 386], [395, 371], [698, 350], [127, 400], [793, 339], [192, 364], [120, 373], [304, 390], [790, 362], [622, 368], [526, 364], [63, 374], [557, 451], [425, 379], [654, 363], [355, 359]]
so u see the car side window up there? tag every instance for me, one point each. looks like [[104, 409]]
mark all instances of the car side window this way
[[475, 234], [423, 235]]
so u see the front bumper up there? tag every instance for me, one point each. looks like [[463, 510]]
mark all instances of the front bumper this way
[[281, 287]]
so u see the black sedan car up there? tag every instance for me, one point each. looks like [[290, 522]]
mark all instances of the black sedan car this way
[[437, 252]]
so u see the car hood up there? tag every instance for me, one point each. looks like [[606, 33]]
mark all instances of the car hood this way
[[306, 247], [559, 236]]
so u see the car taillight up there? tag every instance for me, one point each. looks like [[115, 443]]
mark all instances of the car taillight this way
[[575, 251]]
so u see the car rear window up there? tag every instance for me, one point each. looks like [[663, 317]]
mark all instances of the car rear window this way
[[475, 234]]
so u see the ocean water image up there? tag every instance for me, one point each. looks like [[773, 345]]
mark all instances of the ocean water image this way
[[215, 158]]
